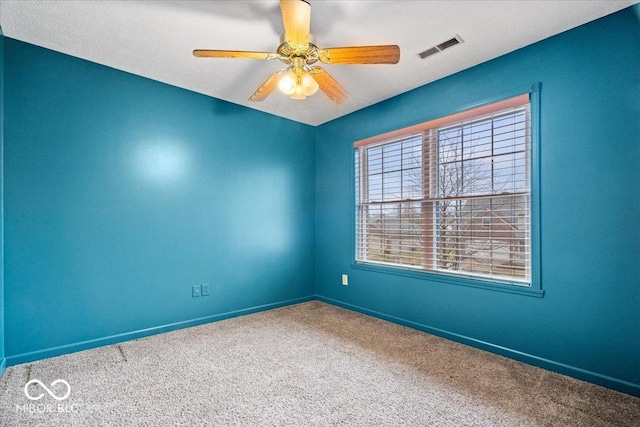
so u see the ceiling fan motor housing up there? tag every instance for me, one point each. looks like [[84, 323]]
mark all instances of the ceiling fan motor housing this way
[[288, 51]]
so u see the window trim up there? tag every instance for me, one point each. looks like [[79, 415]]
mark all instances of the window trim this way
[[501, 285]]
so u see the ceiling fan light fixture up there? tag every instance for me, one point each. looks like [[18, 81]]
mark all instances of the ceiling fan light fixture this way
[[287, 83], [298, 94], [297, 82], [309, 84]]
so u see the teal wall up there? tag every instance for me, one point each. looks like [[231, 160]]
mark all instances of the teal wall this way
[[587, 323], [2, 361], [122, 192]]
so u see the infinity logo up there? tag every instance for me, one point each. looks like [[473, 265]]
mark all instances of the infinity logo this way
[[51, 393]]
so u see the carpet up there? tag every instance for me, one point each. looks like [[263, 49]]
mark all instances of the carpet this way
[[310, 364]]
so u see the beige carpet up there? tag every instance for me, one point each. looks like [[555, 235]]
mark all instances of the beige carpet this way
[[310, 364]]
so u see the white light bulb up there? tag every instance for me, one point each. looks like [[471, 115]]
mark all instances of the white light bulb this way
[[298, 93], [287, 83], [309, 84]]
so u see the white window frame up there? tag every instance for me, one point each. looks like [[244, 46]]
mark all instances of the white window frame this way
[[532, 285]]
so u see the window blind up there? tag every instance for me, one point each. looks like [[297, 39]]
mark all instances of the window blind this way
[[451, 195]]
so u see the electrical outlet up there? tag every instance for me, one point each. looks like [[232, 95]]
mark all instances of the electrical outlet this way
[[345, 280], [195, 291], [205, 289]]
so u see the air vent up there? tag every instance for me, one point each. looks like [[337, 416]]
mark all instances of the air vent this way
[[442, 46]]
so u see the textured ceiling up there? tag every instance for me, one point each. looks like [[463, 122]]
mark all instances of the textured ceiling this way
[[155, 39]]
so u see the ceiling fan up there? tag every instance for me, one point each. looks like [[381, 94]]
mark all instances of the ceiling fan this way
[[299, 51]]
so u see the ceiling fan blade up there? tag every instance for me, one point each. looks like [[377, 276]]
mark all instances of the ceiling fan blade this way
[[386, 54], [204, 53], [268, 86], [296, 16], [329, 85]]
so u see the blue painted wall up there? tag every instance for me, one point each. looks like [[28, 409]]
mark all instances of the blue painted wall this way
[[122, 192], [2, 361], [588, 321]]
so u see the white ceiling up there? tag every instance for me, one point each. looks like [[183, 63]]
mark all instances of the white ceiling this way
[[155, 38]]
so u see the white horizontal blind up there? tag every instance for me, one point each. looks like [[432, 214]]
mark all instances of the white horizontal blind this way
[[454, 198]]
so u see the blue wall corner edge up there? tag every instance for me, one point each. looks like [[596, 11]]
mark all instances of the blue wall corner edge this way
[[3, 366], [550, 365], [133, 335]]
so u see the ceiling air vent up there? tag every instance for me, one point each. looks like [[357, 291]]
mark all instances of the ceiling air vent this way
[[442, 46]]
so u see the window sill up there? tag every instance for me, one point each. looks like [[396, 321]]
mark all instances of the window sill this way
[[451, 279]]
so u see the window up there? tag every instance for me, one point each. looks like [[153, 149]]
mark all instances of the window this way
[[452, 195]]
